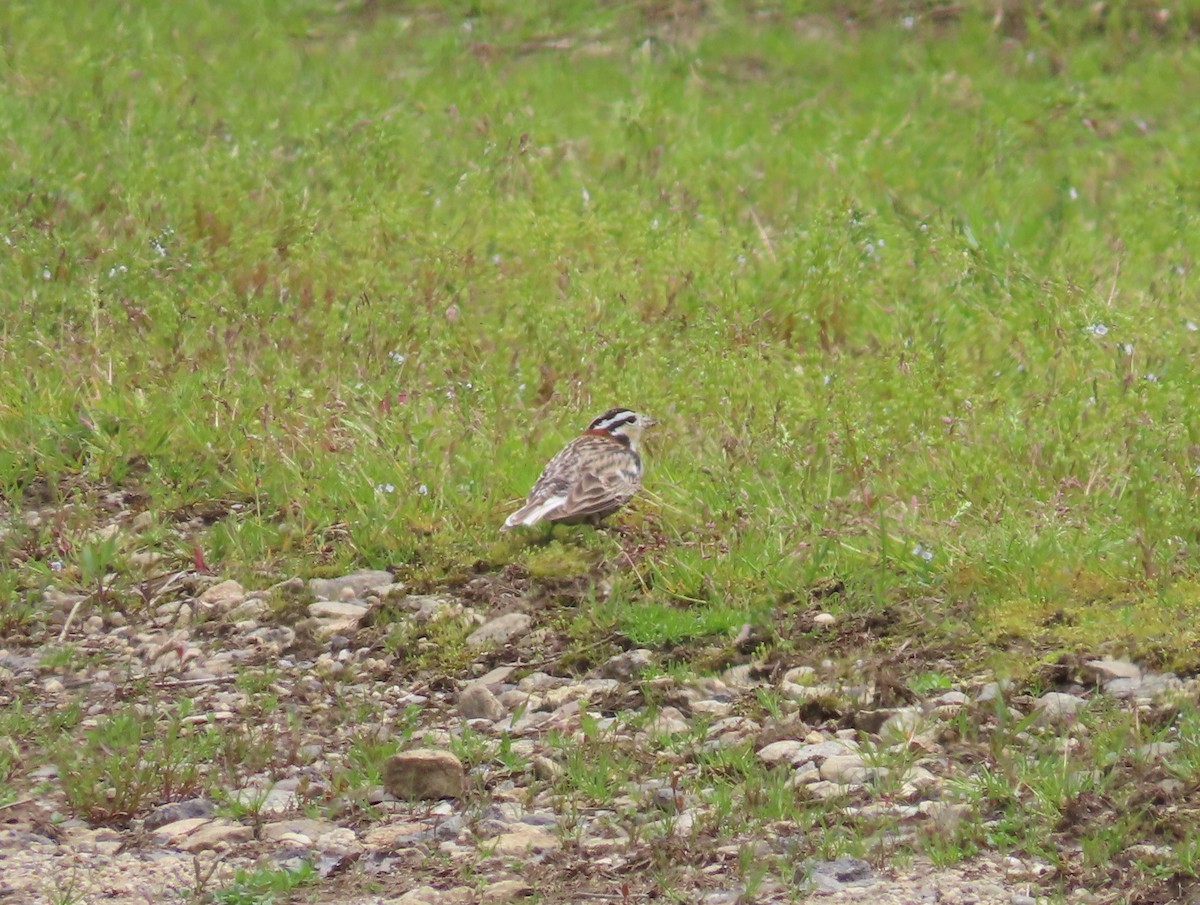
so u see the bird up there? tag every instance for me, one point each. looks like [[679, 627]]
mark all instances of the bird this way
[[592, 476]]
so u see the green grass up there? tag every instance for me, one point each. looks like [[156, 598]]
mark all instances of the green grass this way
[[912, 305], [264, 885], [298, 288]]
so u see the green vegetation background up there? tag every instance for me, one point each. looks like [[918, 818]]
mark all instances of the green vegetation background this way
[[913, 297]]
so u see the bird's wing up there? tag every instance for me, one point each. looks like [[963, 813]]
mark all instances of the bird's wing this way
[[603, 486]]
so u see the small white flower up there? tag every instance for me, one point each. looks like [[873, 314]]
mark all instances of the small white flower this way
[[56, 565], [920, 551], [1097, 329], [46, 275], [423, 490], [1152, 377], [397, 357], [908, 22], [828, 379], [1191, 325], [1127, 348], [587, 197], [1072, 194], [385, 488]]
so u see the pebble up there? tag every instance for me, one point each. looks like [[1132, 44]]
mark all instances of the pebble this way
[[424, 773], [500, 630], [1058, 706], [358, 583], [476, 702]]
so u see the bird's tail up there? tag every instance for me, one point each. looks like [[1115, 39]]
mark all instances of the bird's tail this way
[[532, 512]]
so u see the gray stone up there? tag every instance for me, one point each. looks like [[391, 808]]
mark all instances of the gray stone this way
[[522, 839], [628, 665], [302, 828], [424, 773], [338, 609], [428, 607], [500, 630], [216, 835], [669, 721], [178, 810], [545, 769], [843, 769], [500, 891], [1059, 706], [818, 751], [358, 583], [1157, 750], [1104, 669], [223, 596], [991, 691], [476, 702], [831, 876], [950, 699]]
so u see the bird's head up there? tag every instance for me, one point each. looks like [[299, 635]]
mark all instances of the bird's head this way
[[624, 424]]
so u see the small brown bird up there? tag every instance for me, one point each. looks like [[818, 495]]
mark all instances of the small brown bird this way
[[591, 477]]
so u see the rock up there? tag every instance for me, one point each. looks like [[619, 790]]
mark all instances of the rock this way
[[628, 665], [252, 609], [521, 840], [392, 836], [545, 769], [824, 619], [780, 752], [717, 709], [223, 596], [217, 834], [493, 679], [178, 810], [669, 721], [831, 876], [1157, 750], [337, 609], [476, 702], [339, 841], [950, 699], [1020, 899], [424, 773], [500, 891], [428, 607], [1145, 688], [422, 895], [274, 802], [1057, 706], [843, 769], [819, 751], [806, 774], [302, 828], [359, 583], [991, 691], [1104, 669], [915, 782], [500, 630], [177, 830], [901, 726]]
